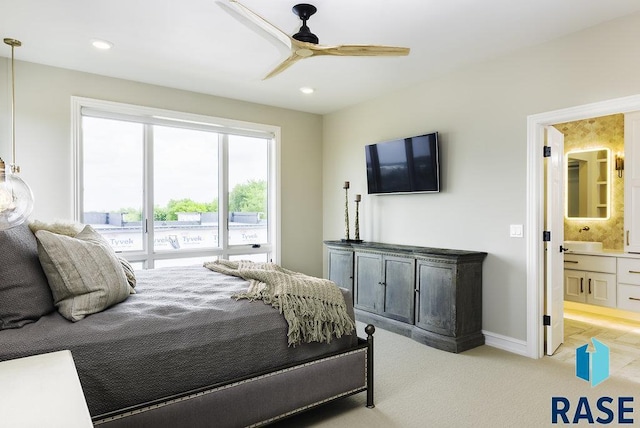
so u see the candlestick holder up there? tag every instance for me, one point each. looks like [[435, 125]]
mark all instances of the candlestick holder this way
[[346, 210], [347, 237], [357, 225]]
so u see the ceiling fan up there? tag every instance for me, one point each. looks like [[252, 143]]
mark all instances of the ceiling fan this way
[[304, 44]]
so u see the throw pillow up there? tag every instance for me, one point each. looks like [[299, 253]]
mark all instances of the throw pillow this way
[[60, 227], [72, 229], [84, 273], [24, 292], [129, 273]]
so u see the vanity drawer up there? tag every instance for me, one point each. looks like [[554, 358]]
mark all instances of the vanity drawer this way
[[629, 271], [629, 297], [590, 263]]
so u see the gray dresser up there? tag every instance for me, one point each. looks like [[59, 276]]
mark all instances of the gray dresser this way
[[432, 295]]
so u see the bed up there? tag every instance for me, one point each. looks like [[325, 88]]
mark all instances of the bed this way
[[182, 351]]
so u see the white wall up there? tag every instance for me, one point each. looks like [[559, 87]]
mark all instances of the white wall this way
[[481, 114], [43, 136]]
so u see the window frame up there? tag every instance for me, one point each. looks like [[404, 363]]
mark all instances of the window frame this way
[[150, 116]]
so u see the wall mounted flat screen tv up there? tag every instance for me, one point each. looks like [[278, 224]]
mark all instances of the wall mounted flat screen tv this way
[[404, 165]]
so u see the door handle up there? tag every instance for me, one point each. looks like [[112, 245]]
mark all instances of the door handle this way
[[563, 248]]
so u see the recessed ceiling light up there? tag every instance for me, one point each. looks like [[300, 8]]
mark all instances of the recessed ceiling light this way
[[307, 90], [101, 44]]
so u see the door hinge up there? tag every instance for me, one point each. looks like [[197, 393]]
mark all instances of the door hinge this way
[[546, 320], [547, 151], [546, 236]]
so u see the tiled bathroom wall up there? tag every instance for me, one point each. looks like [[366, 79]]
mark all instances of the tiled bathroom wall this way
[[594, 133]]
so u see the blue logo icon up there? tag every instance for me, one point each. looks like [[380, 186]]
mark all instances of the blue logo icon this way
[[593, 366]]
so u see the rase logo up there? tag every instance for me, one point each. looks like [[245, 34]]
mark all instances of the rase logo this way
[[592, 367]]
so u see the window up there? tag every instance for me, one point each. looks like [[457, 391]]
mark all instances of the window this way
[[168, 188]]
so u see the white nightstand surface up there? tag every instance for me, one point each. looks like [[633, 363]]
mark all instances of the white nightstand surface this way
[[42, 391]]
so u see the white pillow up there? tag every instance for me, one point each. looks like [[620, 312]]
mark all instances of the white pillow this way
[[59, 227], [84, 273]]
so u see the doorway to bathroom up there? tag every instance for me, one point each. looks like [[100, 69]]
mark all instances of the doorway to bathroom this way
[[593, 216], [541, 297]]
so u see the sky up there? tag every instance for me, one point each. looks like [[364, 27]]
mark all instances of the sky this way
[[185, 164]]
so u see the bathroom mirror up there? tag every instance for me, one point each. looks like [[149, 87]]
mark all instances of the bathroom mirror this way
[[587, 184]]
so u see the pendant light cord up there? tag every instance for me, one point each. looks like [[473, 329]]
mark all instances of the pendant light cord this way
[[13, 43]]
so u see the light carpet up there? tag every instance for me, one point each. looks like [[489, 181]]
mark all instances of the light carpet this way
[[419, 386]]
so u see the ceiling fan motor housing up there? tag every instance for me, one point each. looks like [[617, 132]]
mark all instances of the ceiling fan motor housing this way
[[304, 11]]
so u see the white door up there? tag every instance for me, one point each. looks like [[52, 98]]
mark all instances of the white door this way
[[554, 290]]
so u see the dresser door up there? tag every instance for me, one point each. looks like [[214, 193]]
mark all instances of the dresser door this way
[[368, 283], [436, 298], [399, 288], [341, 268]]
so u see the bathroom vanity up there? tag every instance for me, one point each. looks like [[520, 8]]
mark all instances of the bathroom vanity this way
[[603, 278], [597, 177]]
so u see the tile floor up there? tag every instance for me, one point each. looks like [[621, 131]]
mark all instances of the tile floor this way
[[620, 335]]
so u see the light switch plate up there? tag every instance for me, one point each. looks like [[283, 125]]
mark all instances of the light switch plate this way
[[515, 231]]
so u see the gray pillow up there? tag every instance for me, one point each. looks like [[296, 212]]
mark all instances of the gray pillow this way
[[24, 292], [84, 273]]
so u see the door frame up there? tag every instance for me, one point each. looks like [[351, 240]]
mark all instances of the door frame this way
[[536, 204]]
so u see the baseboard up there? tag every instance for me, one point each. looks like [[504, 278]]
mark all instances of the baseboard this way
[[505, 343]]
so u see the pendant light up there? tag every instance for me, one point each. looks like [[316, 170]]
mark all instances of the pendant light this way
[[16, 199]]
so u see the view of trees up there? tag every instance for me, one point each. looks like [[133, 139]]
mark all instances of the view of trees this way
[[246, 197], [249, 197]]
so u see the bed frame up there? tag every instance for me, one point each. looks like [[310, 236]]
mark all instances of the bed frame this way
[[261, 399]]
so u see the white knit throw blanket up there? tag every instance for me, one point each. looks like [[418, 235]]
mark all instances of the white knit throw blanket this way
[[314, 308]]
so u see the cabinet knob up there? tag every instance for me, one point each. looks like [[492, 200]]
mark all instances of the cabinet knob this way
[[417, 290]]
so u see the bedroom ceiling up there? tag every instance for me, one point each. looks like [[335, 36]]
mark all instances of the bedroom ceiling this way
[[197, 45]]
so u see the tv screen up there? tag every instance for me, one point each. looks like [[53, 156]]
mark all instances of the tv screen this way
[[404, 165]]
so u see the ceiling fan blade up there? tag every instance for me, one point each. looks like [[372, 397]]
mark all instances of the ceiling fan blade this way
[[283, 65], [247, 15], [360, 50]]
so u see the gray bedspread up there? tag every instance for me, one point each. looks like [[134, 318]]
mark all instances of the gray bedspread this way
[[181, 331]]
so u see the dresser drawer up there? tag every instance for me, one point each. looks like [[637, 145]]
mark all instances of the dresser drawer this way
[[629, 271], [590, 263], [629, 297]]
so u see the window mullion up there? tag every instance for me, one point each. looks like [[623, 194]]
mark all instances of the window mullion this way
[[149, 231], [223, 193]]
